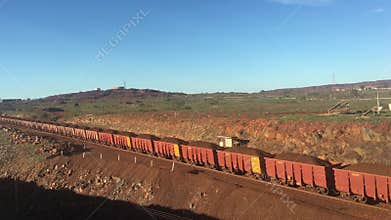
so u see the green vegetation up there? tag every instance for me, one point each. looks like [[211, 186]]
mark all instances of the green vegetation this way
[[336, 118], [9, 151], [30, 151], [4, 139], [285, 106]]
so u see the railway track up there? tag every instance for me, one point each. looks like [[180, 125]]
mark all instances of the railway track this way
[[380, 206]]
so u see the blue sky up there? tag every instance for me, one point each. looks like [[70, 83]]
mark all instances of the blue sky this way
[[51, 47]]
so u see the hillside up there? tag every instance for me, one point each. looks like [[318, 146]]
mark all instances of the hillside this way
[[333, 87], [111, 93], [275, 123]]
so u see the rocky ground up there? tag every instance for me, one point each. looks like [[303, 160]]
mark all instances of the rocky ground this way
[[45, 178], [43, 170], [337, 141], [58, 174]]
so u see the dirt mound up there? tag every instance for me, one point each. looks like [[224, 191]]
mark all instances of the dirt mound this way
[[246, 150], [174, 140], [203, 144], [52, 109], [126, 133], [106, 130], [147, 136], [371, 168], [302, 158]]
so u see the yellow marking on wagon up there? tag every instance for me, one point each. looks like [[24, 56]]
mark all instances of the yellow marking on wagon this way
[[176, 151], [256, 165], [128, 142]]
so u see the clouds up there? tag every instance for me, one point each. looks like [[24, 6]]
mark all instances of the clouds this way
[[378, 10], [304, 2]]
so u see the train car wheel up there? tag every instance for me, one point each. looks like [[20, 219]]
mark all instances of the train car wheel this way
[[345, 195], [361, 199], [275, 181], [322, 190], [308, 188], [264, 177]]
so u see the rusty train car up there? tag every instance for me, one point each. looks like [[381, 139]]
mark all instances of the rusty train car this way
[[169, 148], [353, 185], [361, 186], [242, 161], [199, 153], [299, 174]]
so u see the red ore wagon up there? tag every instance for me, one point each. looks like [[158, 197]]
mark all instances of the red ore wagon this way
[[39, 126], [28, 124], [122, 141], [359, 186], [142, 143], [80, 133], [241, 160], [57, 129], [105, 138], [69, 131], [61, 130], [52, 128], [200, 153], [42, 126], [168, 147], [45, 127], [92, 135], [298, 174]]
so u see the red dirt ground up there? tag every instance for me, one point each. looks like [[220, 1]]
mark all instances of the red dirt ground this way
[[205, 192], [226, 197], [337, 141]]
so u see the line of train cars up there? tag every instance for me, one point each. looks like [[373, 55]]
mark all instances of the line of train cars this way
[[309, 175]]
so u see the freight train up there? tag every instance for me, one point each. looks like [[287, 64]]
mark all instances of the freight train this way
[[325, 179]]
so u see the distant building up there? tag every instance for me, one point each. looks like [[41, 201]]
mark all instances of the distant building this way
[[11, 100], [370, 88], [118, 87], [339, 89], [384, 88]]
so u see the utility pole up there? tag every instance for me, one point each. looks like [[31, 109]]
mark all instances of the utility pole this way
[[377, 103]]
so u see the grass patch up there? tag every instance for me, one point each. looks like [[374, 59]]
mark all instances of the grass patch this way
[[287, 106], [29, 151], [336, 118], [4, 139], [22, 152]]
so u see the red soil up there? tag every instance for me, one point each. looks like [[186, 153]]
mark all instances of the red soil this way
[[203, 144], [371, 168], [245, 150], [202, 191], [302, 158]]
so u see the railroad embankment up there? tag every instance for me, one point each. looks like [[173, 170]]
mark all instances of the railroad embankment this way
[[336, 141]]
